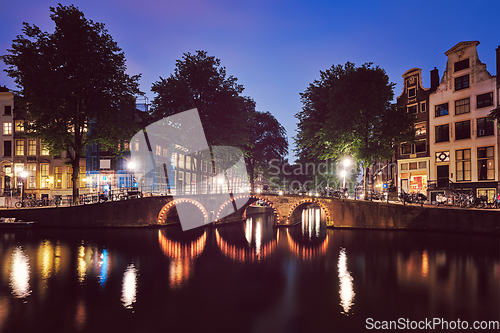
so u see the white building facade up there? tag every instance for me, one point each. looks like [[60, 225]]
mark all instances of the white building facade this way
[[463, 143]]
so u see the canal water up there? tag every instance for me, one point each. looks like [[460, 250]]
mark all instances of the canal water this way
[[244, 277]]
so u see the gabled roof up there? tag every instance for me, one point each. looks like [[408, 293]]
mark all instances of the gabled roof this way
[[461, 46]]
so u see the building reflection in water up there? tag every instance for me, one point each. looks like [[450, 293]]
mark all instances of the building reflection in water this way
[[82, 265], [181, 255], [306, 251], [256, 249], [20, 274], [104, 265], [346, 286], [129, 286]]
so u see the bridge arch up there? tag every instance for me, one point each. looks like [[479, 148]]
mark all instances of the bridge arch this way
[[252, 199], [307, 201], [162, 216]]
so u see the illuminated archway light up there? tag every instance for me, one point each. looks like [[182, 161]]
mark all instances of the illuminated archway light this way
[[323, 208], [162, 216], [227, 203], [302, 251], [244, 255], [176, 250]]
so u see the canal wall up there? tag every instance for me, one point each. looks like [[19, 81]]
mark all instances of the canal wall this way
[[381, 215], [127, 213]]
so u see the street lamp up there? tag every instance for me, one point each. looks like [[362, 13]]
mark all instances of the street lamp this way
[[23, 175], [131, 166]]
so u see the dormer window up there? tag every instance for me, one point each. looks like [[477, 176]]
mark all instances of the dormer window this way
[[462, 64]]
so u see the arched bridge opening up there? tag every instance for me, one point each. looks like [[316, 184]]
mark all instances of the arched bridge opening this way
[[296, 212], [186, 209]]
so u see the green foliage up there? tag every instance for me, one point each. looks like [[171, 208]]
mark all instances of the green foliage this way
[[71, 81], [199, 81], [495, 114], [348, 111], [267, 141]]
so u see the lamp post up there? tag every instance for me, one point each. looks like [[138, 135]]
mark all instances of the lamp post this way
[[346, 162], [23, 175], [131, 167]]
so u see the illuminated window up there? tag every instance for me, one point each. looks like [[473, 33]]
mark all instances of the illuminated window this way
[[441, 110], [420, 129], [31, 147], [44, 150], [83, 180], [7, 128], [463, 165], [158, 150], [58, 177], [486, 163], [181, 161], [44, 176], [31, 175], [69, 172], [19, 147], [19, 125], [188, 162]]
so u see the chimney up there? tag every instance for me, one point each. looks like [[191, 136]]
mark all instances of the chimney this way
[[435, 78]]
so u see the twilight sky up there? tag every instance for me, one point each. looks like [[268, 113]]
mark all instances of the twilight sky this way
[[276, 48]]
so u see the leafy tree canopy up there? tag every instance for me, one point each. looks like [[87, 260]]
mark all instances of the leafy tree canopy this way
[[199, 81], [348, 111], [70, 79], [268, 142]]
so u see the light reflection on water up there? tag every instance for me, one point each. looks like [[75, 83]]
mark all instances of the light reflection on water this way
[[20, 274], [251, 272]]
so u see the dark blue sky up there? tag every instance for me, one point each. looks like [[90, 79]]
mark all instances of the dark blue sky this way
[[276, 48]]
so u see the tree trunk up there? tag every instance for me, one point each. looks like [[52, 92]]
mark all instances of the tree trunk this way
[[75, 163], [365, 182]]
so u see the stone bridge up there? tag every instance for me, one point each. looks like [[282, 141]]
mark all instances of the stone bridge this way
[[344, 213]]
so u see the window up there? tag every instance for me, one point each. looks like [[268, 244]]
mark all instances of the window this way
[[421, 146], [44, 150], [158, 150], [188, 162], [443, 133], [485, 127], [422, 165], [462, 130], [484, 100], [460, 65], [413, 165], [7, 110], [442, 156], [31, 175], [405, 148], [420, 129], [181, 161], [58, 177], [19, 147], [7, 148], [441, 110], [44, 176], [7, 128], [462, 82], [83, 180], [19, 125], [31, 147], [412, 109], [463, 165], [462, 106], [404, 166], [486, 163], [412, 92], [423, 107]]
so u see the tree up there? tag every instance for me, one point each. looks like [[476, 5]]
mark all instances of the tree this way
[[70, 80], [199, 81], [348, 111], [268, 141], [495, 114]]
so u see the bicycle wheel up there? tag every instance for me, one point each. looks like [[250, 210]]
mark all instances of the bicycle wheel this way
[[19, 204]]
